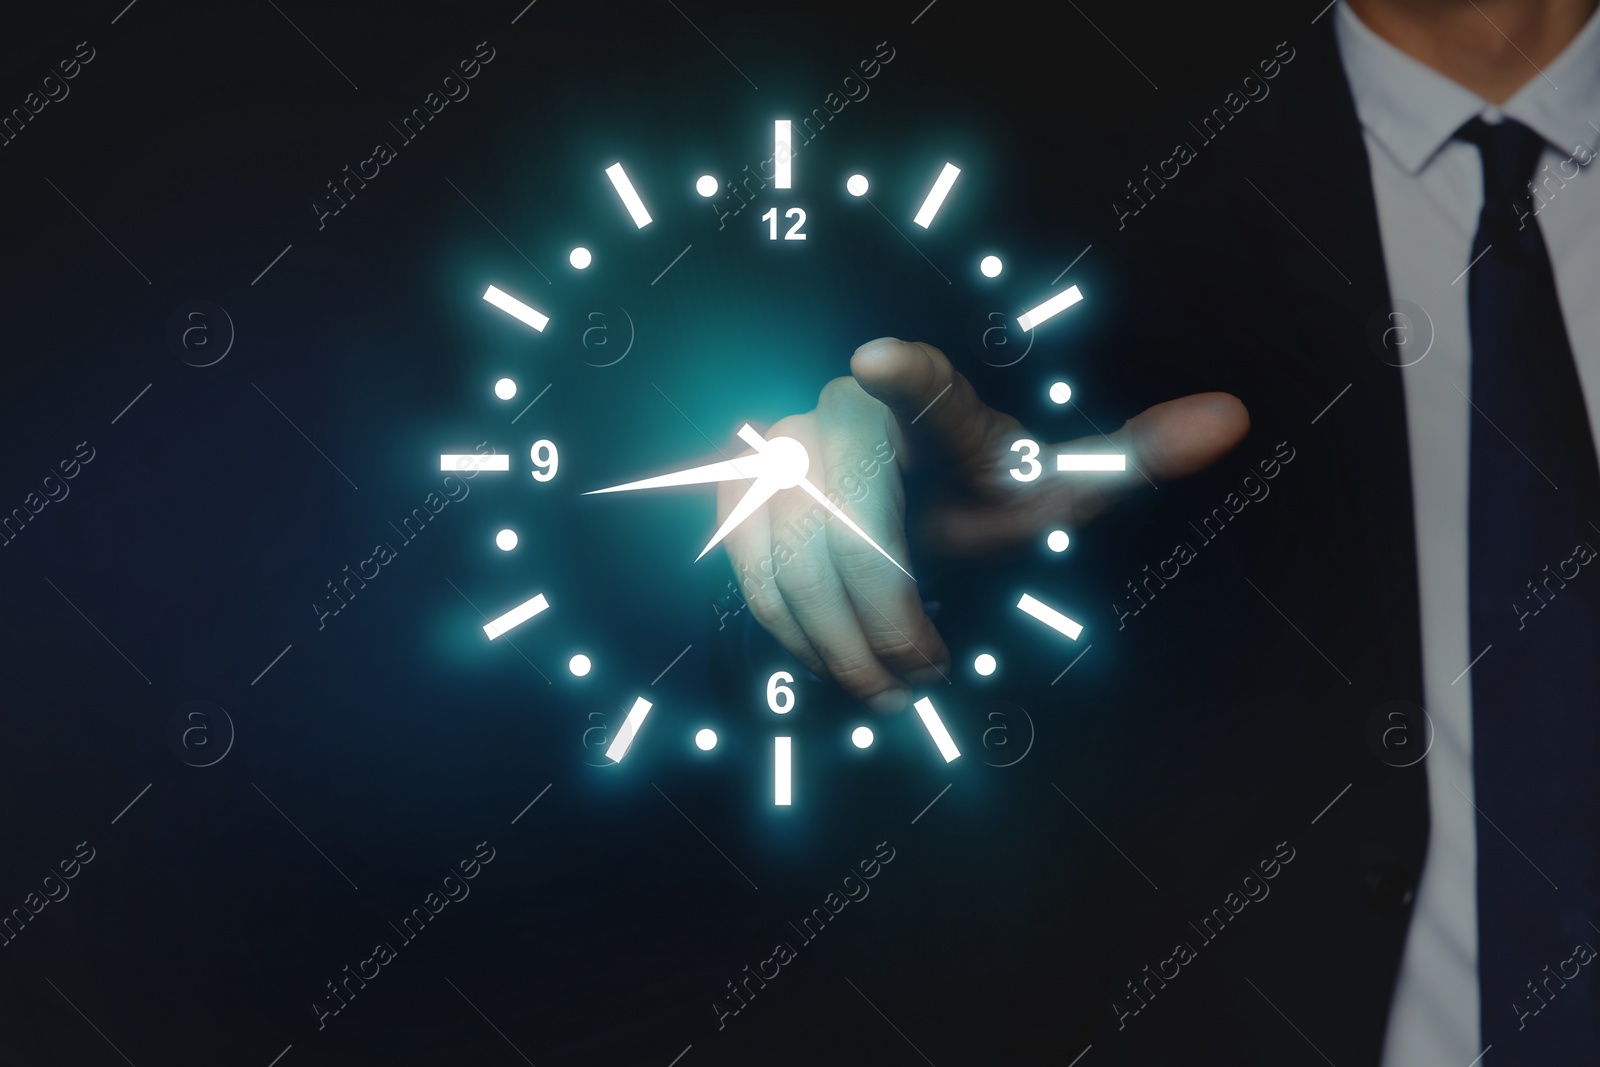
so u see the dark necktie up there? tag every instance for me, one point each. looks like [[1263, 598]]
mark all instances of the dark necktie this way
[[1534, 602]]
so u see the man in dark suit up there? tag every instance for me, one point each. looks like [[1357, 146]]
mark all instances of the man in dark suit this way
[[1382, 289]]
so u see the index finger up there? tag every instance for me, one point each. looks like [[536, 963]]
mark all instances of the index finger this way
[[928, 397]]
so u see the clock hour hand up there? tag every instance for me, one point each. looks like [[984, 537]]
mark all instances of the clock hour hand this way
[[726, 471], [820, 497], [757, 495]]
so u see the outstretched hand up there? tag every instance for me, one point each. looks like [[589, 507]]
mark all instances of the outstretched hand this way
[[832, 599]]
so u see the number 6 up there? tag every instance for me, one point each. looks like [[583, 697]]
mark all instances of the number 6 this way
[[780, 698]]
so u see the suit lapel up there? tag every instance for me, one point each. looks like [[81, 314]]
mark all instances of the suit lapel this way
[[1314, 169]]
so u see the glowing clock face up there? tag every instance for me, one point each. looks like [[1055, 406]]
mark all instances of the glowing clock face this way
[[768, 464]]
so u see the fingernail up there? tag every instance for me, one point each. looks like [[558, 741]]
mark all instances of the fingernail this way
[[927, 675], [892, 700]]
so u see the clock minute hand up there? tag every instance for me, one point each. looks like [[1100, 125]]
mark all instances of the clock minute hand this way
[[822, 499], [785, 462], [729, 470]]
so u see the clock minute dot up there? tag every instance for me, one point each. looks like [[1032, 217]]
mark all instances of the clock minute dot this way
[[506, 540], [856, 185], [861, 737], [580, 257], [505, 388], [1060, 392], [580, 665], [1058, 540], [705, 740], [990, 266], [707, 185], [985, 664]]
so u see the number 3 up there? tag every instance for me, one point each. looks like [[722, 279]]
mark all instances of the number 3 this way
[[1030, 463]]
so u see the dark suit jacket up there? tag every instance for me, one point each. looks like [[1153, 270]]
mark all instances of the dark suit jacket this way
[[1254, 688]]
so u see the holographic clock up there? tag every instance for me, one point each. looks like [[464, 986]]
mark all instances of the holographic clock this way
[[773, 465]]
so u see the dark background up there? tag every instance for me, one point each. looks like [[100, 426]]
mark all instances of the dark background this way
[[395, 738]]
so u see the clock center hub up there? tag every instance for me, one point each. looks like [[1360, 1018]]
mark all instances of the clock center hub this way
[[790, 462]]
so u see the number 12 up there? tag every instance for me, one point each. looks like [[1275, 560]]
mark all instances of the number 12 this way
[[794, 234]]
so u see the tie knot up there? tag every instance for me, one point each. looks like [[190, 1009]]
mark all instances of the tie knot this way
[[1510, 152]]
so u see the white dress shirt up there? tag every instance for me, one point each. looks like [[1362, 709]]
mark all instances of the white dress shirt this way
[[1429, 190]]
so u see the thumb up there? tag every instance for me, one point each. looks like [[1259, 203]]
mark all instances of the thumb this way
[[928, 398]]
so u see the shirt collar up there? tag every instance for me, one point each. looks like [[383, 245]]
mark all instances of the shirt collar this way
[[1563, 116], [1412, 110]]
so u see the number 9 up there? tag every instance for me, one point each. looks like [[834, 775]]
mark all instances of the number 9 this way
[[546, 458], [780, 698]]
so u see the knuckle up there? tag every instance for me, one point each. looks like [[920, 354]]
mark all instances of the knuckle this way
[[865, 486], [805, 580], [766, 605], [790, 426], [938, 362], [898, 646], [855, 670], [837, 389], [854, 558]]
